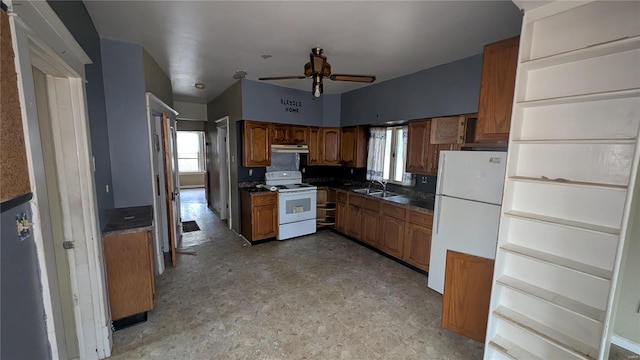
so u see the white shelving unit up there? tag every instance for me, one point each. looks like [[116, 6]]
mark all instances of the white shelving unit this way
[[571, 173]]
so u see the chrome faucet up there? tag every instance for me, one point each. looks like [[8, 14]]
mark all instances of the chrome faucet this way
[[383, 183]]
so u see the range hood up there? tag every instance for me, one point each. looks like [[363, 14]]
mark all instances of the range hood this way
[[299, 149]]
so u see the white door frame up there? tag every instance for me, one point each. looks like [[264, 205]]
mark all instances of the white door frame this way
[[156, 107], [223, 124], [40, 39]]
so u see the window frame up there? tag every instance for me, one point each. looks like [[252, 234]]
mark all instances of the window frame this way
[[393, 156], [201, 155]]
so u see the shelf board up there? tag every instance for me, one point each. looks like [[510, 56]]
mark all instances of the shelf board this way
[[618, 141], [510, 349], [603, 49], [560, 181], [546, 333], [563, 222], [322, 223], [558, 261], [620, 94], [552, 298]]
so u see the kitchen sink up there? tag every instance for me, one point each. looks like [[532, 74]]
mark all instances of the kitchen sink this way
[[382, 194], [368, 191]]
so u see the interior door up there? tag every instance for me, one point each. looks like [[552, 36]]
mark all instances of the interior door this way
[[168, 138]]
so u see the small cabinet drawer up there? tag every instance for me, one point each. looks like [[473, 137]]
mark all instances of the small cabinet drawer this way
[[371, 204], [355, 200], [394, 211], [420, 217], [341, 196], [265, 199]]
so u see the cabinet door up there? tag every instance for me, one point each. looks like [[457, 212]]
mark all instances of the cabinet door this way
[[447, 130], [348, 146], [280, 134], [299, 135], [330, 146], [392, 236], [417, 146], [370, 220], [130, 283], [265, 221], [313, 158], [257, 147], [341, 217], [497, 86], [467, 289], [417, 246], [354, 221]]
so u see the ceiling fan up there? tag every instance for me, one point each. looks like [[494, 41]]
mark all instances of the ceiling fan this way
[[318, 68]]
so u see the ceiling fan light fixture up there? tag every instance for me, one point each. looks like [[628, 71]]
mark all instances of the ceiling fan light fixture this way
[[317, 85]]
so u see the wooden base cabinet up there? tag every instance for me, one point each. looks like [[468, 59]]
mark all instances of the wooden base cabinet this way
[[417, 241], [392, 222], [341, 212], [467, 291], [130, 272], [259, 215]]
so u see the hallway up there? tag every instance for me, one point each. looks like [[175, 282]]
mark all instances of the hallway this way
[[316, 297]]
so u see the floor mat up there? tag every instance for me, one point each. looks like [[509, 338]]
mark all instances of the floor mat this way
[[189, 226]]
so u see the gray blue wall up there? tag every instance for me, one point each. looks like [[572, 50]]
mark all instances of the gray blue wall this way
[[264, 102], [75, 17], [23, 328], [444, 90], [331, 104], [124, 88]]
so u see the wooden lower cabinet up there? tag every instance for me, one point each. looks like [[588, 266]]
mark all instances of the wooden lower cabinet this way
[[130, 272], [259, 215], [417, 243], [370, 221], [467, 290], [391, 235], [341, 216], [354, 221]]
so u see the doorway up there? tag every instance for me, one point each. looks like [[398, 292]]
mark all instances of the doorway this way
[[68, 345], [224, 169]]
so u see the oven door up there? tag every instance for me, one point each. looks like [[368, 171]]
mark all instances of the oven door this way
[[296, 206]]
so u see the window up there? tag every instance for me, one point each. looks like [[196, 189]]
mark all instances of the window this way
[[394, 155], [190, 151]]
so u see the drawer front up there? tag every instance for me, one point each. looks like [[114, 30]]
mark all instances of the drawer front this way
[[394, 211], [341, 196], [371, 204], [265, 199], [355, 200], [420, 217]]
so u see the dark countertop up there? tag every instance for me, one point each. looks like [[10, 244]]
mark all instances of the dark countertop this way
[[256, 190], [426, 203], [130, 219]]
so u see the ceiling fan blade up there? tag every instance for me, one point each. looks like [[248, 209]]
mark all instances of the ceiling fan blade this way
[[356, 78], [283, 77]]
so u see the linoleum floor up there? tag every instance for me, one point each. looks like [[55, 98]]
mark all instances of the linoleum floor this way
[[321, 296]]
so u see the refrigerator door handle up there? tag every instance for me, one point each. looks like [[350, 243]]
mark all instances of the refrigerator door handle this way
[[436, 220]]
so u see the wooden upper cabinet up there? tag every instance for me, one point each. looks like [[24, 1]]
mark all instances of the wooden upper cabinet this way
[[313, 158], [299, 135], [283, 134], [417, 146], [257, 144], [280, 134], [353, 146], [330, 146], [497, 86], [467, 291], [447, 130]]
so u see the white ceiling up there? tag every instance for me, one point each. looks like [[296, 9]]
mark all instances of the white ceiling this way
[[207, 41]]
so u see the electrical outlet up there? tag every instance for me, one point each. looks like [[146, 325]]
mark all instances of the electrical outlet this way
[[106, 187], [351, 171], [424, 179], [250, 172], [23, 226]]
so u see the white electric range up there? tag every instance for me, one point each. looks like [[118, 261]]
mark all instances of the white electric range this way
[[296, 204]]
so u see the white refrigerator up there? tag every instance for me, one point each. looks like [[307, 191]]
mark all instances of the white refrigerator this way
[[467, 207]]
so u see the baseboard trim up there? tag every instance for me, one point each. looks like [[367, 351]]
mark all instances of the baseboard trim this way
[[625, 343]]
